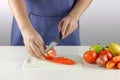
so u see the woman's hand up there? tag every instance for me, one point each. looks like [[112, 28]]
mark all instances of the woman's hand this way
[[33, 43], [67, 25], [32, 40], [70, 23]]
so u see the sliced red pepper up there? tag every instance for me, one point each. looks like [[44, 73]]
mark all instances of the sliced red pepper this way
[[63, 60]]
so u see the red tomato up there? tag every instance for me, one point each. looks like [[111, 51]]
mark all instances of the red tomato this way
[[107, 53], [51, 54], [63, 60], [90, 56]]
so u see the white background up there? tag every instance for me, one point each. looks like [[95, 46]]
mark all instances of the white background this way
[[99, 24]]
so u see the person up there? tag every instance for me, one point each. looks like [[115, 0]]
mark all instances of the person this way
[[37, 22]]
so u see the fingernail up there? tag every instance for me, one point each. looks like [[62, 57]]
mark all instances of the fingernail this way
[[63, 34]]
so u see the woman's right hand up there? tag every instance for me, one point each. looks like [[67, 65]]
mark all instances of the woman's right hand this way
[[33, 43]]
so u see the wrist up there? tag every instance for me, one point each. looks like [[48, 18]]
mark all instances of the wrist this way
[[74, 17], [26, 30]]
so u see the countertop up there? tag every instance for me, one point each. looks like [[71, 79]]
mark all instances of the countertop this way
[[12, 58]]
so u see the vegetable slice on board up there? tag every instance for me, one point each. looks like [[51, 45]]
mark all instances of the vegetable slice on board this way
[[51, 54], [63, 60]]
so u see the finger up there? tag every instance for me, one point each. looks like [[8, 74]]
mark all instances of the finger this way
[[60, 25], [74, 28], [43, 44], [37, 44], [65, 24], [30, 49], [32, 52], [36, 49], [68, 29], [40, 45]]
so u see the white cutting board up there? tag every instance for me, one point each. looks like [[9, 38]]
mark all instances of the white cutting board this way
[[74, 53], [31, 62]]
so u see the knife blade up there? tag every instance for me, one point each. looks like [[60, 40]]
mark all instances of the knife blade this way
[[54, 42], [81, 59]]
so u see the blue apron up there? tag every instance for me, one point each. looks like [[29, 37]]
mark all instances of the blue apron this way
[[45, 16]]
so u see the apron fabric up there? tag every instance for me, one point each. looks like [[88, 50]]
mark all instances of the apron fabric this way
[[45, 16]]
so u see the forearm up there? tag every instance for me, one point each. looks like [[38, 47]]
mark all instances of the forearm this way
[[79, 8], [20, 14]]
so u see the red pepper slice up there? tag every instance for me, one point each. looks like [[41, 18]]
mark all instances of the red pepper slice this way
[[63, 60]]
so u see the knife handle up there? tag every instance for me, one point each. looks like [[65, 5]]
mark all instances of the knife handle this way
[[60, 35]]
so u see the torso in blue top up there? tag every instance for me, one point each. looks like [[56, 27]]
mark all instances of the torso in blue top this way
[[45, 16]]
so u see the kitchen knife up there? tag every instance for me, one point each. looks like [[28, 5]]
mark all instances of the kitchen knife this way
[[54, 42]]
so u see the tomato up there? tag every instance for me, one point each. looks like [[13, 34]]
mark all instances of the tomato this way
[[51, 54], [63, 60], [107, 53], [90, 56]]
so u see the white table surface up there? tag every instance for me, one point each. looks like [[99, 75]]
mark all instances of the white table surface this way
[[11, 62]]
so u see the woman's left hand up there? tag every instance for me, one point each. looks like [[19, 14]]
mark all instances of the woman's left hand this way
[[67, 25]]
